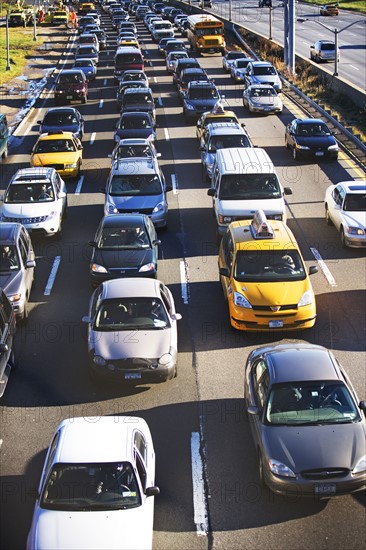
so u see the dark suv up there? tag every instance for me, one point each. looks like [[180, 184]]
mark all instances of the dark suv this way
[[71, 85], [7, 331]]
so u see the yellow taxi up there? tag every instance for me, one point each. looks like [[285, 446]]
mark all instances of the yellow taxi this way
[[264, 278], [128, 43], [218, 114], [60, 150], [85, 7]]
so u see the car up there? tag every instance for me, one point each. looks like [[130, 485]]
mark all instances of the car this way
[[83, 21], [123, 86], [238, 68], [90, 28], [134, 147], [220, 135], [105, 491], [102, 38], [174, 45], [172, 57], [162, 44], [88, 67], [218, 114], [95, 15], [262, 72], [128, 42], [265, 3], [302, 408], [138, 100], [262, 98], [186, 63], [329, 9], [17, 263], [135, 125], [135, 74], [264, 254], [323, 50], [88, 39], [64, 119], [71, 84], [201, 96], [137, 185], [126, 36], [132, 331], [187, 76], [61, 150], [87, 51], [7, 332], [125, 245], [162, 29], [345, 208], [310, 138], [230, 57], [128, 26], [85, 7], [36, 198]]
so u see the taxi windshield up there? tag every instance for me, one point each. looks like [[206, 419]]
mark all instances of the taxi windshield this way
[[266, 266]]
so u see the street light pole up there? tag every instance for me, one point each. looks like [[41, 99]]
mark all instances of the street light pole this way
[[7, 43], [270, 22], [34, 23]]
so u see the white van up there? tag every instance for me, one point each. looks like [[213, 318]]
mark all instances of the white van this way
[[244, 180]]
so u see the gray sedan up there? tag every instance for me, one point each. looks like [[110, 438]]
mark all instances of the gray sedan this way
[[308, 425], [263, 99], [132, 331]]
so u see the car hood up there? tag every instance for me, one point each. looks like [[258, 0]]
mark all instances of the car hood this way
[[11, 282], [248, 207], [266, 79], [312, 447], [136, 204], [110, 530], [355, 219], [316, 141], [39, 159], [274, 293], [28, 210], [70, 86], [150, 344], [122, 258], [45, 128]]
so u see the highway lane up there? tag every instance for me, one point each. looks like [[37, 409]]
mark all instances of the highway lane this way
[[351, 41], [51, 381]]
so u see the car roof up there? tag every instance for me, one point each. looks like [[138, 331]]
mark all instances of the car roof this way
[[139, 91], [113, 435], [225, 128], [310, 121], [353, 186], [34, 173], [71, 71], [130, 287], [137, 165], [8, 232], [61, 110], [123, 220], [58, 135], [242, 236], [136, 114], [134, 141], [261, 63]]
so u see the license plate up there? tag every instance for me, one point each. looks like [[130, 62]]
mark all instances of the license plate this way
[[325, 489], [319, 153], [275, 324], [132, 375], [69, 97]]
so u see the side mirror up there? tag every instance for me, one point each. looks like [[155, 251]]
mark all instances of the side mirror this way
[[253, 410], [158, 155], [80, 147], [62, 195], [4, 348], [313, 269], [176, 317], [110, 155], [86, 319], [39, 121], [30, 263], [211, 192], [202, 148], [287, 191], [152, 491], [92, 243], [224, 271], [362, 404], [156, 242]]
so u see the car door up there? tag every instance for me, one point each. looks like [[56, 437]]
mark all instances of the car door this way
[[226, 261], [335, 205], [154, 239], [27, 255], [258, 392]]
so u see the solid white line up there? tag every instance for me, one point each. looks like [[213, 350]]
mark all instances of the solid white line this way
[[174, 184], [353, 67], [160, 101], [105, 82], [323, 267], [183, 280], [1, 443], [199, 503], [101, 103], [155, 80], [92, 138], [79, 185], [166, 132], [51, 278]]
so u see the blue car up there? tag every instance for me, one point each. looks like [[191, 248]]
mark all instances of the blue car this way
[[62, 119], [88, 67]]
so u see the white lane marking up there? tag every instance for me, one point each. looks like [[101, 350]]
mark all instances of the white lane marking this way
[[323, 267], [155, 80], [174, 184], [1, 443], [92, 138], [166, 132], [199, 503], [353, 67], [183, 280], [52, 277], [101, 103], [79, 185], [160, 101], [105, 82]]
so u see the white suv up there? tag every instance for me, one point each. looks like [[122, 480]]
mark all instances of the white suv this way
[[36, 198]]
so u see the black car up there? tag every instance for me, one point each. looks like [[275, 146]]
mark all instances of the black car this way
[[139, 99], [125, 85], [125, 245], [186, 63], [135, 125], [71, 85], [63, 119], [199, 98], [7, 331], [187, 76], [310, 138]]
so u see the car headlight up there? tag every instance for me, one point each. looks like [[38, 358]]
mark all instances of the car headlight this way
[[298, 146], [70, 166], [96, 268], [147, 267], [280, 469], [111, 209], [160, 207], [360, 466], [98, 360], [354, 230], [241, 301], [15, 297], [333, 147], [306, 299], [165, 359], [189, 107]]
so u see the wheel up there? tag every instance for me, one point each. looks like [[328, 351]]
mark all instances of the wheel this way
[[327, 217], [343, 239]]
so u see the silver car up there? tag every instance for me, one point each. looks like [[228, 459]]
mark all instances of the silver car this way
[[307, 422], [17, 265], [262, 98], [132, 331]]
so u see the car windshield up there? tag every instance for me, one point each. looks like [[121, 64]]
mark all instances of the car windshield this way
[[87, 50], [123, 237], [79, 487], [203, 93], [133, 76], [242, 64], [29, 193], [55, 146], [266, 266], [131, 314], [223, 142], [135, 184], [9, 258], [137, 99], [307, 403], [355, 202], [249, 186], [84, 63], [261, 71], [313, 130], [134, 123], [59, 119], [262, 92], [193, 76], [130, 151], [70, 78]]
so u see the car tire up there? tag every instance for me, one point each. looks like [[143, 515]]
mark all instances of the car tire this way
[[343, 238], [327, 217]]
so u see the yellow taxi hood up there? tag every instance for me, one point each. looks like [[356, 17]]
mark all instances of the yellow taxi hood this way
[[279, 293], [54, 158]]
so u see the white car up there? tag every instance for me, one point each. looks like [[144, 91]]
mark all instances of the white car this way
[[172, 57], [262, 98], [97, 487], [36, 197], [345, 207], [238, 68], [230, 57]]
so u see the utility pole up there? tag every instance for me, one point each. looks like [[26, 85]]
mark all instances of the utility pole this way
[[289, 35]]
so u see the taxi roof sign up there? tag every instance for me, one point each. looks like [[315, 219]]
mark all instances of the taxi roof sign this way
[[260, 227]]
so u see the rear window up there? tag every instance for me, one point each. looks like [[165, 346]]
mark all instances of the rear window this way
[[123, 59]]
